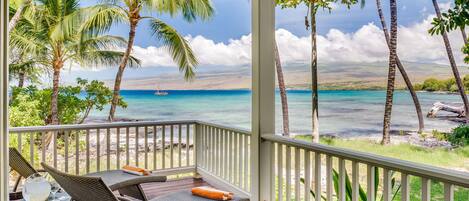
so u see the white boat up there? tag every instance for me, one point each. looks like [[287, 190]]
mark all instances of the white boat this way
[[160, 92]]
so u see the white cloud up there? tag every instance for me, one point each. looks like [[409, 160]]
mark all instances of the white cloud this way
[[366, 45]]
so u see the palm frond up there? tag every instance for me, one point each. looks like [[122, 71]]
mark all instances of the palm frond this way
[[190, 9], [177, 46], [101, 58], [100, 18]]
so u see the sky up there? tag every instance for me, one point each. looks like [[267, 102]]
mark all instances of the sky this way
[[345, 36]]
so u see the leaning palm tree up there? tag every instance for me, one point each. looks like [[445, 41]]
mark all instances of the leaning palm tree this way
[[66, 42], [400, 66], [17, 7], [391, 74], [283, 92], [131, 11], [452, 62]]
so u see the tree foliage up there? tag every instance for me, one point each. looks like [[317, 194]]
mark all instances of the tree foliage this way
[[449, 85], [30, 106], [454, 18]]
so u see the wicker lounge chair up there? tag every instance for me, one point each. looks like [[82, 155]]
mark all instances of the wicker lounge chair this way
[[20, 165], [99, 186]]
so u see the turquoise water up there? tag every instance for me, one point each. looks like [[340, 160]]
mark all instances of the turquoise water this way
[[344, 113]]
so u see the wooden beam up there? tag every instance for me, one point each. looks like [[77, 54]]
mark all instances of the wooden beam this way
[[4, 100], [263, 97]]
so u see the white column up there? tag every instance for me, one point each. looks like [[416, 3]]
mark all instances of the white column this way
[[3, 100], [263, 97]]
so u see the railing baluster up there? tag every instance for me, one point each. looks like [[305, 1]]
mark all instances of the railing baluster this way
[[136, 146], [212, 150], [55, 148], [217, 156], [236, 158], [77, 152], [246, 162], [297, 173], [66, 135], [127, 145], [222, 154], [171, 143], [20, 142], [98, 147], [179, 145], [146, 147], [226, 156], [405, 192], [288, 172], [118, 150], [108, 149], [188, 127], [370, 184], [426, 189], [387, 187], [342, 172], [43, 147], [240, 163], [317, 176], [279, 171], [307, 183], [272, 169], [231, 157], [449, 192], [163, 147], [155, 134], [329, 180], [31, 148], [355, 180], [87, 138]]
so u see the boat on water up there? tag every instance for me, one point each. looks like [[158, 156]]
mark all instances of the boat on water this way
[[160, 92]]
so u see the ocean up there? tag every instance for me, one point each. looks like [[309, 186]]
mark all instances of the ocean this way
[[341, 113]]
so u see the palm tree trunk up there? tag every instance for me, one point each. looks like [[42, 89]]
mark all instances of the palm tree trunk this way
[[54, 119], [452, 62], [14, 20], [314, 75], [391, 74], [464, 35], [403, 72], [283, 93], [21, 77], [122, 65]]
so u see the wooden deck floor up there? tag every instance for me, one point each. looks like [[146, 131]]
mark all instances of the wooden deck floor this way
[[153, 190]]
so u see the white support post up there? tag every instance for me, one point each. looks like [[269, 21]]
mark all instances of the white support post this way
[[263, 97], [4, 100]]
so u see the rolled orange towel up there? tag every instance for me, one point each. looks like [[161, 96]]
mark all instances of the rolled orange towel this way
[[135, 170], [211, 193]]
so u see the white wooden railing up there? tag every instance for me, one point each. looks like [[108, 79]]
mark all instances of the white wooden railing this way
[[221, 155], [304, 169], [161, 146]]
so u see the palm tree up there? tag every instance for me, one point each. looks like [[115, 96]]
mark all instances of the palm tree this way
[[130, 11], [452, 62], [400, 66], [24, 50], [18, 7], [64, 41], [283, 92], [391, 74]]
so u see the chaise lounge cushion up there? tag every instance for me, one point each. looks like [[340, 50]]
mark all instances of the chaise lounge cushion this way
[[117, 179], [186, 195]]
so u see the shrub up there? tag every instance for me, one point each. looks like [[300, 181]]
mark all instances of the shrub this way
[[459, 135], [439, 135]]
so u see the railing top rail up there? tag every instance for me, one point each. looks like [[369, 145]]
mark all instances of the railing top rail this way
[[426, 171], [96, 126], [232, 128]]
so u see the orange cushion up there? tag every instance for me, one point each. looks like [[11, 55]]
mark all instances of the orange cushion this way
[[135, 170], [211, 193]]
